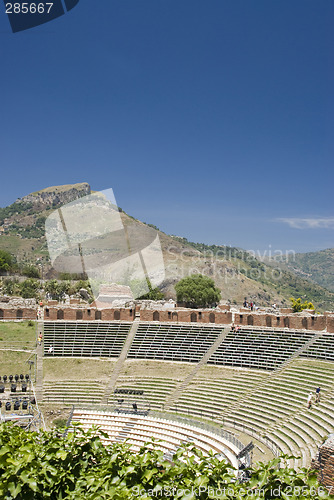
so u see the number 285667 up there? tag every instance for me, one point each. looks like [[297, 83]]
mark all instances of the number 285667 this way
[[28, 8]]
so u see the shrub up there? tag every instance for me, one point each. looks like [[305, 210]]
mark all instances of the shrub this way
[[45, 465], [298, 305], [30, 271]]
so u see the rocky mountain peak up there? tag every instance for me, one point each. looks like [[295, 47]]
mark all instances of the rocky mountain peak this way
[[56, 195]]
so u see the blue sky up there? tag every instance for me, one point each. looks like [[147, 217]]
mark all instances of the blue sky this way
[[212, 120]]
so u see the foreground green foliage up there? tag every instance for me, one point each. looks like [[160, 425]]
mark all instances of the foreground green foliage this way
[[197, 291], [46, 465]]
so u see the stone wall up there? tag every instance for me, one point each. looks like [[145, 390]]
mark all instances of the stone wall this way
[[11, 313], [77, 311], [293, 321], [87, 314], [330, 324], [16, 308], [187, 316], [324, 463]]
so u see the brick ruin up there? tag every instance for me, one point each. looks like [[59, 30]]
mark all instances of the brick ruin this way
[[324, 463], [80, 311]]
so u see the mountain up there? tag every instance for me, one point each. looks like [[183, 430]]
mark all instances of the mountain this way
[[55, 196], [317, 267], [22, 224], [236, 272]]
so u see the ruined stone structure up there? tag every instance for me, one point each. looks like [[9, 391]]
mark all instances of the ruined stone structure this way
[[185, 315], [163, 311], [324, 463], [17, 308], [279, 320], [113, 296], [19, 314], [87, 313]]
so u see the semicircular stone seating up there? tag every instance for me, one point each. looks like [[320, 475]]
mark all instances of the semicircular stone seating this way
[[138, 430], [242, 386]]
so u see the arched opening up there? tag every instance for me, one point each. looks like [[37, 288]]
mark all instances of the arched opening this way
[[250, 320], [286, 322], [79, 315], [97, 314], [1, 313], [60, 314], [19, 314], [117, 315], [212, 317], [304, 323], [193, 317], [268, 321], [156, 316], [278, 320], [174, 316]]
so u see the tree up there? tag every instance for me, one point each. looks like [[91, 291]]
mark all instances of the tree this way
[[152, 294], [197, 291], [29, 288], [10, 287], [30, 271], [6, 261], [46, 465], [54, 289], [298, 306]]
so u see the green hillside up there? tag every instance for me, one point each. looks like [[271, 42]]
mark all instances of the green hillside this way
[[236, 272], [317, 267]]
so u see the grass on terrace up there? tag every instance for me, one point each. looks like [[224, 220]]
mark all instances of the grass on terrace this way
[[19, 336], [13, 332], [12, 362], [98, 369]]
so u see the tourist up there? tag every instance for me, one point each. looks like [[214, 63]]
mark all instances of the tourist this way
[[309, 400], [317, 395]]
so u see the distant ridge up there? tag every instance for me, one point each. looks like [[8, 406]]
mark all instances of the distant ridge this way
[[317, 267], [236, 272]]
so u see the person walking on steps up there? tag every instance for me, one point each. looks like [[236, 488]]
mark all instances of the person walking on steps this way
[[309, 400], [317, 395]]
